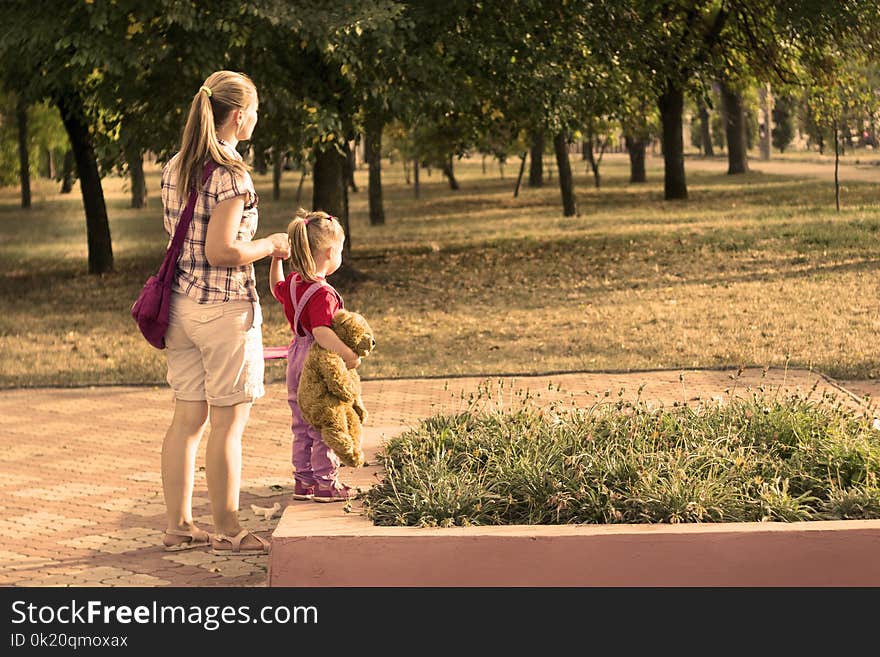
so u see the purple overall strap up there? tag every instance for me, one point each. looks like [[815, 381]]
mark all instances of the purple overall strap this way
[[173, 253], [304, 299]]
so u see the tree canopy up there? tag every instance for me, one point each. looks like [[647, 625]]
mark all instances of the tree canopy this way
[[451, 77]]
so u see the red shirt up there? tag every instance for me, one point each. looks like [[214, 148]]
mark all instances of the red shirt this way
[[319, 309]]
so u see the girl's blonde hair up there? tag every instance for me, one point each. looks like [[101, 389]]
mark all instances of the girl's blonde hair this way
[[310, 232], [221, 94]]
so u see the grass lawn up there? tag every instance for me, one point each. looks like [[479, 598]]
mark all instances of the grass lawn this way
[[752, 270]]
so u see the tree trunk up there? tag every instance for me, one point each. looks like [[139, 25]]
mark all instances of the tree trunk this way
[[590, 155], [51, 173], [373, 155], [97, 226], [536, 160], [636, 149], [671, 105], [766, 112], [329, 193], [259, 158], [68, 175], [450, 174], [522, 168], [416, 176], [836, 167], [566, 182], [349, 168], [277, 170], [24, 163], [299, 188], [705, 131], [735, 130], [135, 160]]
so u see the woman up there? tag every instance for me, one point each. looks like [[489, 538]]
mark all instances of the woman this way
[[214, 341]]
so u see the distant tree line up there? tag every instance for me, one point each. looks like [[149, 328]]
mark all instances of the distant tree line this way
[[89, 87]]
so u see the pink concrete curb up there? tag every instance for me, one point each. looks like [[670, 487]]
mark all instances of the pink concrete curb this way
[[351, 551]]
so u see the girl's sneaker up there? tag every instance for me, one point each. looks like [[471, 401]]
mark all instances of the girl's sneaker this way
[[335, 493], [302, 492]]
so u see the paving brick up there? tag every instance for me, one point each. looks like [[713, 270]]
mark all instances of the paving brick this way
[[141, 507], [79, 468], [194, 557], [67, 491]]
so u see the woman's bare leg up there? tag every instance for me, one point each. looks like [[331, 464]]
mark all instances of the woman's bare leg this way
[[223, 461], [178, 464]]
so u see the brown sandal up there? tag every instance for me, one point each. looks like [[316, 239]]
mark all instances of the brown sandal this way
[[197, 538], [235, 541]]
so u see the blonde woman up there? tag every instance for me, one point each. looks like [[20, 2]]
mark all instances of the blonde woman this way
[[214, 340]]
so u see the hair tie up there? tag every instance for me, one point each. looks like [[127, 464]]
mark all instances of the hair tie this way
[[306, 221], [207, 91]]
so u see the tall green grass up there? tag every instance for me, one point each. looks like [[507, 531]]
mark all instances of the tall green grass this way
[[756, 458]]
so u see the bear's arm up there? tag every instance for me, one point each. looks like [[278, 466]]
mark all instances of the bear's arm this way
[[358, 406], [358, 403], [334, 373]]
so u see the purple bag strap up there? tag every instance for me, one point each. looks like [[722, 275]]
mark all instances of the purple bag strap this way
[[310, 290], [173, 252]]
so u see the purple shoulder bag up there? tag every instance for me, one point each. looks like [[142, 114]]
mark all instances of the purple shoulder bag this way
[[152, 309]]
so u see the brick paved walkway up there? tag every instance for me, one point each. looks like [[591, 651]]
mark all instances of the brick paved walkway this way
[[81, 492]]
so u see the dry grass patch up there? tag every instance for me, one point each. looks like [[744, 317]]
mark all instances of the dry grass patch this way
[[751, 270]]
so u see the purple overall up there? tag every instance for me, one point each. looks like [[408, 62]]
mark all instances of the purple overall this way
[[313, 462]]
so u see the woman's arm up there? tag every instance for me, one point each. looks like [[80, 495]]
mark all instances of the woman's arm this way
[[276, 273], [223, 249], [325, 337]]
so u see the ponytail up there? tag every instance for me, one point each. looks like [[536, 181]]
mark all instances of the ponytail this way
[[310, 232], [221, 94]]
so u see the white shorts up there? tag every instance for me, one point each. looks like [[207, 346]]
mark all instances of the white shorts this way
[[215, 351]]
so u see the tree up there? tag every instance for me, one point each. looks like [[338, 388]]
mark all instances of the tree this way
[[639, 121], [314, 59], [836, 46], [735, 127], [598, 131], [534, 66], [536, 159], [23, 157], [76, 122], [373, 125], [783, 120], [67, 61], [48, 139], [705, 130], [678, 42], [840, 89]]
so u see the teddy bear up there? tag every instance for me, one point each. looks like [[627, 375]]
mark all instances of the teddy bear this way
[[329, 393]]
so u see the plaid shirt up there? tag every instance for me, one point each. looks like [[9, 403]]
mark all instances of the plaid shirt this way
[[195, 277]]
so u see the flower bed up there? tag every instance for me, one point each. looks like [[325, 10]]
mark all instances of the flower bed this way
[[761, 458]]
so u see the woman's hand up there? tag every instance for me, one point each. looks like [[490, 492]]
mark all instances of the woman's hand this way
[[352, 364], [280, 245]]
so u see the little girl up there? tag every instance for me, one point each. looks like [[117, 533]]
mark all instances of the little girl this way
[[316, 240]]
